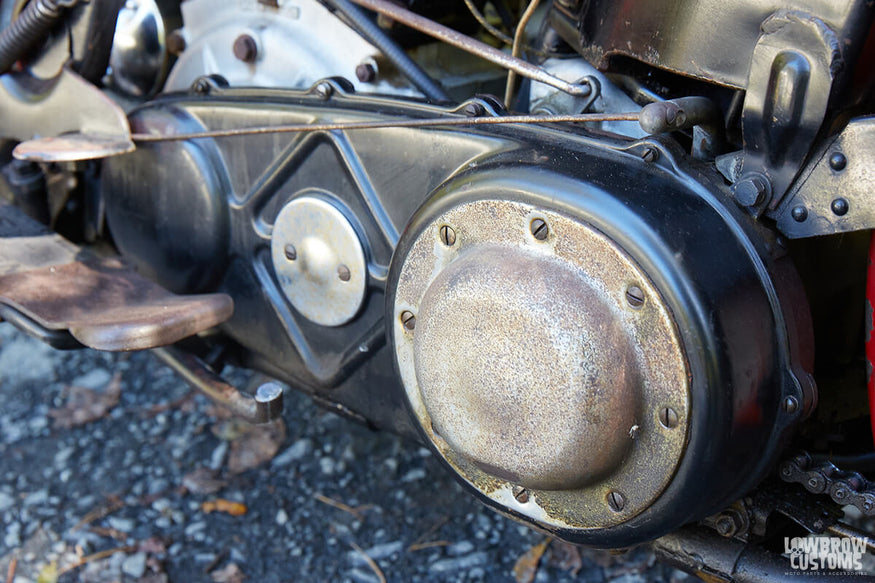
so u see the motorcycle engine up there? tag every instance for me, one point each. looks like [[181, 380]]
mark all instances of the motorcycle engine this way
[[584, 324]]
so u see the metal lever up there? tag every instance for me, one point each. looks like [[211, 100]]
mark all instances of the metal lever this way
[[266, 406]]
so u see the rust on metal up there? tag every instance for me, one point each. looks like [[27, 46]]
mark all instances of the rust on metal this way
[[530, 367], [102, 302], [108, 306], [266, 406]]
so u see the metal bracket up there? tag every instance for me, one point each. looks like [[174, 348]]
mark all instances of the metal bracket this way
[[795, 62], [833, 193], [61, 120]]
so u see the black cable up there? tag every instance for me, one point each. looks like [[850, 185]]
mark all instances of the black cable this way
[[27, 31], [396, 55]]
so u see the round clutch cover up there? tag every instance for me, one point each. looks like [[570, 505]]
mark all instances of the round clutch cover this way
[[319, 260], [542, 363]]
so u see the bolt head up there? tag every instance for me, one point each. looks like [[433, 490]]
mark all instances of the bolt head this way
[[750, 191], [448, 235], [521, 494], [650, 155], [539, 229], [790, 405], [343, 273], [245, 48], [474, 110], [838, 161], [324, 91], [366, 73], [799, 213], [635, 296], [290, 252], [176, 43], [408, 320], [616, 500], [840, 207], [668, 418]]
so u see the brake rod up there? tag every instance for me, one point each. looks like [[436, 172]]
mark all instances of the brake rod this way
[[473, 46], [402, 123]]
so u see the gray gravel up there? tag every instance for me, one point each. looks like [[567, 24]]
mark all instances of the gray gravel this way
[[54, 482]]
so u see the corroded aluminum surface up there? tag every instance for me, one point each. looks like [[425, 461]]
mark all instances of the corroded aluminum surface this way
[[319, 260], [531, 364]]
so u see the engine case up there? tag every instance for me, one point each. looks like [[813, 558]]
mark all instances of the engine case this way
[[586, 331]]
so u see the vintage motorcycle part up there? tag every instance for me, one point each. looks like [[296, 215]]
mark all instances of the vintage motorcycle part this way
[[831, 195], [92, 125], [30, 29], [102, 303], [254, 44], [844, 487], [319, 260], [264, 407], [582, 351], [696, 36], [138, 59], [516, 167], [473, 46]]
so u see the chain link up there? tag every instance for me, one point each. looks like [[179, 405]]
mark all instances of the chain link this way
[[843, 487]]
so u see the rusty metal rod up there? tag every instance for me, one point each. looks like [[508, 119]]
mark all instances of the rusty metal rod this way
[[402, 123], [473, 46], [846, 531], [517, 46], [266, 406]]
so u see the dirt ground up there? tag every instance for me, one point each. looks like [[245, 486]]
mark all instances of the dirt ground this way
[[112, 470]]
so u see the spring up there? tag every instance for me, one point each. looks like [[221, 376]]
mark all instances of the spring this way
[[28, 30]]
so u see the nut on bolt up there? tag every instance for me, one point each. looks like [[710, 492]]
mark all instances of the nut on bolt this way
[[366, 73], [751, 190], [245, 48], [728, 524]]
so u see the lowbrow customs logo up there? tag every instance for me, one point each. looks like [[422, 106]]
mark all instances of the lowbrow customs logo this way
[[825, 555]]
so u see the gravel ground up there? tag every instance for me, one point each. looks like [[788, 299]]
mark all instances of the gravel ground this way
[[110, 470]]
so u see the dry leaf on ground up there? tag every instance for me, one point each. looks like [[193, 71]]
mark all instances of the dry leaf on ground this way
[[86, 405], [565, 556], [226, 506], [258, 445], [231, 573], [203, 481], [527, 565]]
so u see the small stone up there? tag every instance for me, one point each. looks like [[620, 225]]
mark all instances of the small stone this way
[[296, 452], [219, 455], [363, 575], [326, 466], [96, 379], [158, 486], [282, 517], [458, 564], [134, 565], [194, 527], [376, 552], [34, 498], [460, 548], [121, 524], [6, 501], [413, 475]]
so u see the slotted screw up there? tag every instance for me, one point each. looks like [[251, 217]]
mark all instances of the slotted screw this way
[[539, 229], [408, 319], [291, 252], [448, 236], [616, 500], [635, 296], [343, 272], [668, 417]]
